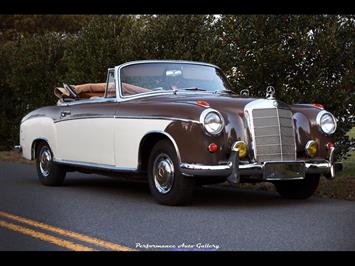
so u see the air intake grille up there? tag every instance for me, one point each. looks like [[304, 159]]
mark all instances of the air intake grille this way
[[274, 135]]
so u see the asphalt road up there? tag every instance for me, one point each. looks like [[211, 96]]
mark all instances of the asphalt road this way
[[124, 215]]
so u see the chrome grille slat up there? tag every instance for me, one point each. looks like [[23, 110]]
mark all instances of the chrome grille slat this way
[[274, 136]]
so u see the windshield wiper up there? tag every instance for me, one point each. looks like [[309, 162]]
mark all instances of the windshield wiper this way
[[192, 89], [227, 91]]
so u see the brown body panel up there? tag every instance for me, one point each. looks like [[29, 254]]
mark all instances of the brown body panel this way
[[186, 130]]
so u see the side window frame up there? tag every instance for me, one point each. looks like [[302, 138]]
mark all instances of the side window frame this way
[[110, 73]]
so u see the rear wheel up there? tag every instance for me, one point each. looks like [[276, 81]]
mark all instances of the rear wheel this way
[[167, 185], [49, 173], [298, 189]]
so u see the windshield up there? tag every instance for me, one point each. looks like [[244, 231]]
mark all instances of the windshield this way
[[149, 77]]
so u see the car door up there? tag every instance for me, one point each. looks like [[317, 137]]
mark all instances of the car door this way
[[85, 131]]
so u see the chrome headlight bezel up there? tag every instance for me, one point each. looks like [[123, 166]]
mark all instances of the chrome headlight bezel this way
[[320, 115], [203, 117]]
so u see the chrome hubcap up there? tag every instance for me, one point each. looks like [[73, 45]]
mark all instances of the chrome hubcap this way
[[45, 160], [163, 172]]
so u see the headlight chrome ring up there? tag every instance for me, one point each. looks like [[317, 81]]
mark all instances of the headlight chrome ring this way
[[326, 122], [212, 121]]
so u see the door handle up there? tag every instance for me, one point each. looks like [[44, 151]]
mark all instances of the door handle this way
[[65, 113]]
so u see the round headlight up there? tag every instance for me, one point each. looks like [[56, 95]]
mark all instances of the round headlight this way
[[326, 122], [212, 121]]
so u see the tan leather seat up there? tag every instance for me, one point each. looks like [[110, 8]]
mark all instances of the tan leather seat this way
[[96, 90], [129, 89]]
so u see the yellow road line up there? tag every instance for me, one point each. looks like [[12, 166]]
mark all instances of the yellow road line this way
[[54, 240], [81, 237]]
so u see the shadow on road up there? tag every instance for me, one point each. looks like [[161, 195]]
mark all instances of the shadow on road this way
[[206, 196]]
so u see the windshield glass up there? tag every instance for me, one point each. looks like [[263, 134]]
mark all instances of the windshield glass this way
[[152, 77]]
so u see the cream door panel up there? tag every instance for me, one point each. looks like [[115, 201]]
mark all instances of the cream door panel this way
[[88, 140], [129, 133]]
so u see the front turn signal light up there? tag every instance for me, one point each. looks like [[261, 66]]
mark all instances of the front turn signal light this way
[[241, 147], [311, 148]]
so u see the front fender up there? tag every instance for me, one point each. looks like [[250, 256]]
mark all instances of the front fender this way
[[306, 128], [193, 142]]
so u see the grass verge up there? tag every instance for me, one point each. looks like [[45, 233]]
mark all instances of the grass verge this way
[[13, 156]]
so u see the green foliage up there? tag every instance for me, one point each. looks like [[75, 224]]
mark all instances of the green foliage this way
[[14, 27], [308, 59], [32, 69], [104, 42]]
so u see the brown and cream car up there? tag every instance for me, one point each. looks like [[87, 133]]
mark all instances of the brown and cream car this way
[[179, 124]]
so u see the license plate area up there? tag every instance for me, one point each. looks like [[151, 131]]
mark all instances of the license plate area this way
[[284, 170]]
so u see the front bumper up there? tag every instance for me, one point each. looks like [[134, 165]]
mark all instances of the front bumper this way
[[234, 170]]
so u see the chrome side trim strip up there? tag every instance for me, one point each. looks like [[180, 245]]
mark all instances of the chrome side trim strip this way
[[99, 100], [96, 165], [127, 117], [284, 178], [83, 117], [158, 118]]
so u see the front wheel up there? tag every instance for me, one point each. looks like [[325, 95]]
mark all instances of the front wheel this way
[[298, 189], [166, 183], [49, 173]]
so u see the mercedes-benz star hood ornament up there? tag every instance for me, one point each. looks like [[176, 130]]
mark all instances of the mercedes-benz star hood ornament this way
[[270, 92]]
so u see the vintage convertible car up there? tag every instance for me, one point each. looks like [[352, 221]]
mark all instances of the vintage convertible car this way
[[179, 124]]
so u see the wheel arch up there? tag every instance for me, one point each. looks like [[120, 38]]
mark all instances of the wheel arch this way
[[34, 145], [148, 142]]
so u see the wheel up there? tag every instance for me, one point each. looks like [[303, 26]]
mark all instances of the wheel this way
[[298, 189], [49, 173], [166, 183]]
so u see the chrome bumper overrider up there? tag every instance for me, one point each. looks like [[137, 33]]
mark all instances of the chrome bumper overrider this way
[[233, 169]]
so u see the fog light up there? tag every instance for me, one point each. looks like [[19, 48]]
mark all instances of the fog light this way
[[311, 148], [241, 147], [212, 147]]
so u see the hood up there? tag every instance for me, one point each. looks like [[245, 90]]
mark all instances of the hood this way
[[185, 105]]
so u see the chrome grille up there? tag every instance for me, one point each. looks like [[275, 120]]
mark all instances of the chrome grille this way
[[274, 134]]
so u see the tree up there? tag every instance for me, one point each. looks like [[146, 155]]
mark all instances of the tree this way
[[14, 27], [308, 59], [104, 42]]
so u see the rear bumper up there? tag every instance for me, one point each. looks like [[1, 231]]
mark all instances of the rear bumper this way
[[234, 170], [18, 148]]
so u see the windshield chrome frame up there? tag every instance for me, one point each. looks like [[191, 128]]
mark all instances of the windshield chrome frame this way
[[121, 98]]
